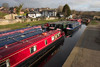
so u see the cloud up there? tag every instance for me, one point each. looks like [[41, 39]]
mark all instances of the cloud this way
[[84, 5]]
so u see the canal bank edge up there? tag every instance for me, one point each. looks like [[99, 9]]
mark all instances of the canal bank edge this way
[[75, 52]]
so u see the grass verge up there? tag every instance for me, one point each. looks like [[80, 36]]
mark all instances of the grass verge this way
[[23, 25], [94, 22], [2, 14]]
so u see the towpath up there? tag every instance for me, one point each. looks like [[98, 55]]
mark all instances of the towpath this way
[[86, 53]]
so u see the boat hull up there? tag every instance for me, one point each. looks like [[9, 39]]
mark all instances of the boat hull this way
[[74, 29], [33, 58]]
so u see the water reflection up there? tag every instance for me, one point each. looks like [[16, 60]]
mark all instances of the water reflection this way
[[53, 50], [59, 54], [71, 33]]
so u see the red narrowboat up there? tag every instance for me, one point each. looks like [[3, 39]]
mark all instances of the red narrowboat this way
[[24, 52], [5, 33], [78, 20]]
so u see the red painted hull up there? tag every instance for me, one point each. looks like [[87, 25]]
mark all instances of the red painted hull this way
[[79, 20], [18, 52]]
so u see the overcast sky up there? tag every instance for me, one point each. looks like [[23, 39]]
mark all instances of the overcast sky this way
[[81, 5]]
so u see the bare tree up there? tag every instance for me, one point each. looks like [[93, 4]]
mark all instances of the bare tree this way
[[5, 5], [19, 8], [59, 10]]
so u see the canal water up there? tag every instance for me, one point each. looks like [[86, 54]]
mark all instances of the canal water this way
[[57, 57]]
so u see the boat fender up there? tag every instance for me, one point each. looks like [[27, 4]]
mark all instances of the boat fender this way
[[21, 31], [44, 34]]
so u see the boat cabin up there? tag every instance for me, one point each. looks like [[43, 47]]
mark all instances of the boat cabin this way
[[72, 25], [18, 53], [58, 25]]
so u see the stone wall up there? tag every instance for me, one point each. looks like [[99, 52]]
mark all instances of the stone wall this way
[[5, 22], [51, 18], [9, 21], [10, 16], [12, 21]]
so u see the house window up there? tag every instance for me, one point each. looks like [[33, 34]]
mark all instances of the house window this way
[[45, 42], [5, 64], [52, 38], [33, 49]]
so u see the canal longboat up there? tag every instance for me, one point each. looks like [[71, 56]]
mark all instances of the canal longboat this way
[[22, 30], [24, 52], [78, 20], [58, 25], [72, 25], [18, 36]]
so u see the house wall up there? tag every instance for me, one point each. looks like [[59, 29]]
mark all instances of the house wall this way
[[5, 22], [34, 15], [38, 15], [49, 13], [10, 16], [12, 21], [51, 18]]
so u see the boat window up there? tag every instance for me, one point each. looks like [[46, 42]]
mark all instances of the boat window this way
[[33, 49], [45, 42], [52, 25], [73, 25], [64, 25], [60, 26], [57, 26], [5, 64], [52, 38], [58, 35], [70, 25], [55, 36]]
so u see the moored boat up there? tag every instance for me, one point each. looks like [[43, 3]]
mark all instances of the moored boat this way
[[9, 39], [58, 25], [18, 53], [22, 30], [65, 25], [78, 20], [73, 25]]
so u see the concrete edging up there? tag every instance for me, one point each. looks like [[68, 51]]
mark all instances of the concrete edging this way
[[74, 52]]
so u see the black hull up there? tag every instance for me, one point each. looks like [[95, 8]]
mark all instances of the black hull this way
[[71, 32], [74, 29], [32, 59]]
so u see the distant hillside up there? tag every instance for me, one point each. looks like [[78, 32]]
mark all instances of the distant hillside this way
[[86, 14]]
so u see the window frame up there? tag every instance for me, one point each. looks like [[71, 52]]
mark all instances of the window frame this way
[[5, 63], [52, 38], [33, 49], [46, 42], [55, 36]]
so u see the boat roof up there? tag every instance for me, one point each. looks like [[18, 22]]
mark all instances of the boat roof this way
[[64, 22], [17, 46], [9, 39], [73, 19], [17, 30]]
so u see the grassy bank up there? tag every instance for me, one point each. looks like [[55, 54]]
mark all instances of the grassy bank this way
[[2, 14], [23, 25], [94, 22]]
